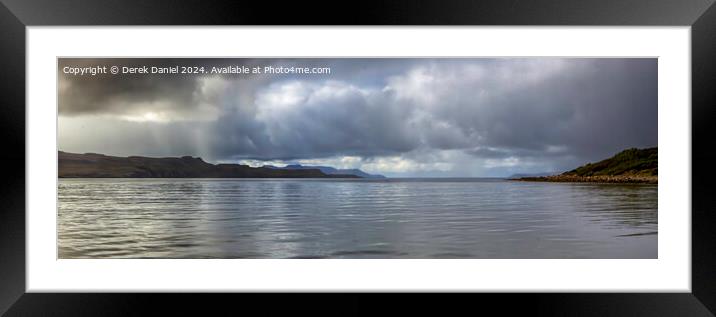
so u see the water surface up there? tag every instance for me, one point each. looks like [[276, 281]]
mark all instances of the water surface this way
[[356, 218]]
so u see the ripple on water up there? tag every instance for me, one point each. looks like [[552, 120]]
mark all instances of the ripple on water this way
[[466, 218]]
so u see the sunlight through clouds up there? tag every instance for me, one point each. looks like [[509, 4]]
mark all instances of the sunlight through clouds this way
[[481, 116]]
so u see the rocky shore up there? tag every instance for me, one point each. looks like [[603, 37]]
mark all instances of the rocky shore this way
[[623, 179]]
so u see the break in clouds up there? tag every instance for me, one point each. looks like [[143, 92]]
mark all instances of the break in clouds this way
[[397, 117]]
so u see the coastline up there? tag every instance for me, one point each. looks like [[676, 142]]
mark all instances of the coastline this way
[[616, 179]]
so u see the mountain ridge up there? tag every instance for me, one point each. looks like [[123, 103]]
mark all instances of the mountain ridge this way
[[329, 170], [94, 165]]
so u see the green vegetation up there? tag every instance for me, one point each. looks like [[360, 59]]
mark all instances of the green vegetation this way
[[630, 162], [629, 166]]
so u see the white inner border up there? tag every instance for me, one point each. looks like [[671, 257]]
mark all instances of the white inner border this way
[[671, 272]]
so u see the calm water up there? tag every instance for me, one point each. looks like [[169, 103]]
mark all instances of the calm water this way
[[321, 218]]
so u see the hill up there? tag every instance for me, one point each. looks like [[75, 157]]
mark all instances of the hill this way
[[521, 175], [92, 165], [628, 166], [330, 170], [628, 162]]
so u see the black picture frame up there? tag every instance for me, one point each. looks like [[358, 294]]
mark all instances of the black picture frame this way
[[16, 15]]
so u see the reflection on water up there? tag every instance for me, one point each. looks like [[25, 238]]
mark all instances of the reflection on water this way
[[322, 218]]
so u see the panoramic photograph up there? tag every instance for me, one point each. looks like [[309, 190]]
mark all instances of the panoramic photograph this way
[[357, 158]]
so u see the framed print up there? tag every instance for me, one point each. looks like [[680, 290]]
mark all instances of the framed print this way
[[450, 147]]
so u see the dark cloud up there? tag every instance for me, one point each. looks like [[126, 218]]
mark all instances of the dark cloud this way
[[503, 114]]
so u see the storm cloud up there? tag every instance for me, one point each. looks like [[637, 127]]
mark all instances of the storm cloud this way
[[400, 117]]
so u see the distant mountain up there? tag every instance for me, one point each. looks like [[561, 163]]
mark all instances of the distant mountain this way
[[531, 174], [628, 166], [329, 170], [92, 165]]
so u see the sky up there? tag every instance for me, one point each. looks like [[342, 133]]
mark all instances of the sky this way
[[400, 117]]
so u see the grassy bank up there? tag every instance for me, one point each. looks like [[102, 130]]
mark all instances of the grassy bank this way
[[629, 166]]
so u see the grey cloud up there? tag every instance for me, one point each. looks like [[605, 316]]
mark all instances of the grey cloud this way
[[551, 112]]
